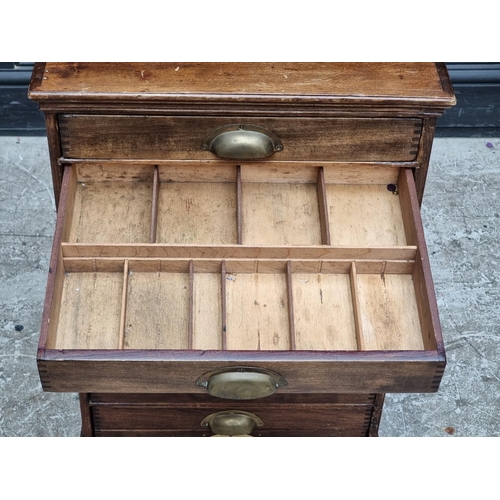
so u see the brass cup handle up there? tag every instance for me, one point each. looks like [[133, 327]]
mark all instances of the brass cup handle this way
[[232, 423], [240, 382], [242, 142]]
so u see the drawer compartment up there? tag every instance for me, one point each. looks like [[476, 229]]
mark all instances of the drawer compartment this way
[[247, 205], [347, 307], [280, 307], [136, 137], [173, 415]]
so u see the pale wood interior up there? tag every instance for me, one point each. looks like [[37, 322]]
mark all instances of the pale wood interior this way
[[257, 317], [389, 313], [157, 311], [359, 296], [89, 317], [263, 205], [280, 214], [364, 215], [274, 309], [111, 212], [207, 311], [197, 212], [324, 318]]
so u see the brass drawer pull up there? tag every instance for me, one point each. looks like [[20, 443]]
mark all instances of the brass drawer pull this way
[[241, 383], [242, 142], [232, 422]]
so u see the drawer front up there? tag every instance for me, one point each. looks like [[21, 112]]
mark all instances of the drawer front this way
[[182, 414], [179, 415], [282, 419], [180, 138]]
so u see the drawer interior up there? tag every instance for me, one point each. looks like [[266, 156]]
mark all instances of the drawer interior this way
[[213, 304], [240, 204], [175, 258]]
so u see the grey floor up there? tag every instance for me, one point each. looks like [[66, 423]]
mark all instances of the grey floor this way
[[461, 213]]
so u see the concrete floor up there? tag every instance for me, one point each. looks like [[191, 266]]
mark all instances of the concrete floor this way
[[461, 213]]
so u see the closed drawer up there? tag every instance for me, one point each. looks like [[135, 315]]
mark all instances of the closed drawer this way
[[180, 138], [311, 414], [297, 417]]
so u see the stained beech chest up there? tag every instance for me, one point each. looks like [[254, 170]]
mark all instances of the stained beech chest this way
[[239, 247]]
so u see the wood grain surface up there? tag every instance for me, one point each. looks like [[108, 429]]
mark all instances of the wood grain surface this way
[[314, 81], [283, 417], [180, 138], [174, 371], [197, 212]]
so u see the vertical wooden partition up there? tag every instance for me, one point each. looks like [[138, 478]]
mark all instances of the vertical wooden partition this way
[[123, 313], [356, 307], [154, 205], [291, 313], [323, 208]]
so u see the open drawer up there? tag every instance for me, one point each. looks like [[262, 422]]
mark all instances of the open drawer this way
[[164, 277]]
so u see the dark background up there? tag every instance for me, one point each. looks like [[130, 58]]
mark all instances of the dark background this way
[[477, 113]]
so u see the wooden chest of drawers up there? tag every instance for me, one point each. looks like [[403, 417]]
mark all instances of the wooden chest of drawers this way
[[239, 247]]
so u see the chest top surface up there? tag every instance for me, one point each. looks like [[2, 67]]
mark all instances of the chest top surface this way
[[425, 84]]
